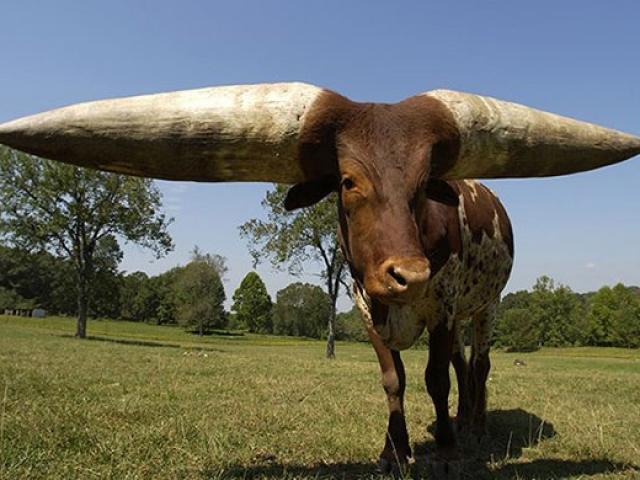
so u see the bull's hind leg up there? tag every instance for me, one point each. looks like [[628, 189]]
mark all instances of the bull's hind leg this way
[[445, 465], [396, 447], [459, 362], [479, 367]]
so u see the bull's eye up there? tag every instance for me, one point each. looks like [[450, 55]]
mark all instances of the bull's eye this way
[[347, 183]]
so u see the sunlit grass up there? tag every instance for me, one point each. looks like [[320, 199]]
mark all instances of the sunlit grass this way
[[173, 405]]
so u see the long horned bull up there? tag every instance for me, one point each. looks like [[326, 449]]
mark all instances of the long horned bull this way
[[277, 133], [427, 248]]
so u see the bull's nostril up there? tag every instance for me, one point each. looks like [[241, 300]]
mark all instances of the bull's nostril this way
[[397, 277], [399, 280]]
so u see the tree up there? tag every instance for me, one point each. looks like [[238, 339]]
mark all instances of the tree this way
[[69, 210], [550, 315], [216, 262], [291, 238], [349, 326], [301, 310], [519, 299], [29, 275], [38, 277], [519, 330], [164, 287], [200, 294], [558, 312], [614, 317], [137, 298], [252, 304], [107, 281], [626, 321], [9, 299]]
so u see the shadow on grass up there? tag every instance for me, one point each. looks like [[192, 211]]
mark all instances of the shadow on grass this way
[[216, 333], [145, 343], [511, 431], [286, 471], [534, 470], [554, 468], [224, 333]]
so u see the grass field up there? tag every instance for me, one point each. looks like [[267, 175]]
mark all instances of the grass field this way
[[141, 401]]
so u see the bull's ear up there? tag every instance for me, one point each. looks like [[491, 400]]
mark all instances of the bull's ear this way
[[309, 193], [440, 191]]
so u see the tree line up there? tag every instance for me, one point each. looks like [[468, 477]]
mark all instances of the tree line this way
[[552, 315], [193, 297]]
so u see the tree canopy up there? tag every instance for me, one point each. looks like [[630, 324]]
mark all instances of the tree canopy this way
[[554, 316], [614, 317], [199, 294], [252, 304], [77, 214], [289, 239], [301, 310]]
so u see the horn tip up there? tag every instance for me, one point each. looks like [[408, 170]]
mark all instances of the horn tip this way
[[633, 145], [14, 133], [8, 131]]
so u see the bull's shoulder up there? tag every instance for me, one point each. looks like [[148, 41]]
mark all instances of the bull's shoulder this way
[[482, 213], [445, 229]]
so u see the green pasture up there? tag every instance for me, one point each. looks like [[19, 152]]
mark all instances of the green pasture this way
[[138, 401]]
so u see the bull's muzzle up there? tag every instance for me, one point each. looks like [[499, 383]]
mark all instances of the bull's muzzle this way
[[399, 280]]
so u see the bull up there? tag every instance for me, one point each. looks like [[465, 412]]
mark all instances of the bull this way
[[427, 246]]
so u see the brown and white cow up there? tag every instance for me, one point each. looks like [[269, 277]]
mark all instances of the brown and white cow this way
[[427, 247], [469, 250]]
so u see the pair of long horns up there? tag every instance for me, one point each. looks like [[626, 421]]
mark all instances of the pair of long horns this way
[[254, 133]]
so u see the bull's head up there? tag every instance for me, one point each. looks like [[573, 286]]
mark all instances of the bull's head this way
[[384, 160], [383, 157]]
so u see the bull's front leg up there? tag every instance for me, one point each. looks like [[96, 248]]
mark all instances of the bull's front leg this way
[[438, 385], [396, 447]]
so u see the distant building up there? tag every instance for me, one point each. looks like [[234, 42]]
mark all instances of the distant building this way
[[26, 312]]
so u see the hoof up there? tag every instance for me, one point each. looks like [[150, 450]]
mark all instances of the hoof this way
[[462, 426], [445, 469], [386, 467], [478, 435]]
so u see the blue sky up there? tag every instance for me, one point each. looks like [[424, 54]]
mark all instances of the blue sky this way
[[576, 58]]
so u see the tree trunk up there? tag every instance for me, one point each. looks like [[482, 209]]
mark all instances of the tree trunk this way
[[83, 307], [331, 340]]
